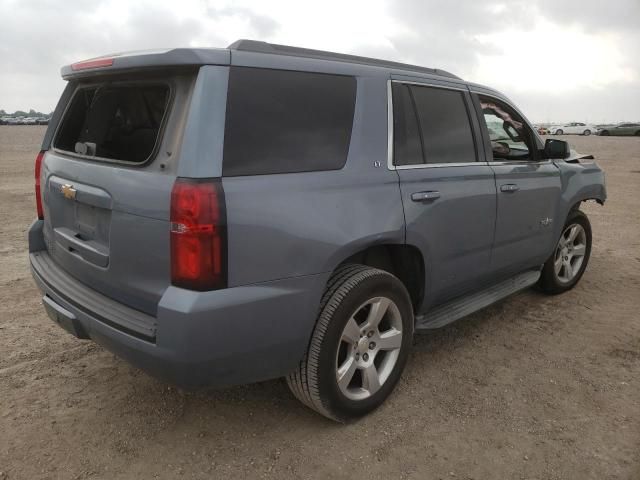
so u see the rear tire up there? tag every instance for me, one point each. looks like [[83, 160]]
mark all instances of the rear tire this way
[[359, 346], [566, 265], [586, 133]]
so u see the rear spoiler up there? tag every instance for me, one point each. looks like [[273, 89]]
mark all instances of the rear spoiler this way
[[146, 59]]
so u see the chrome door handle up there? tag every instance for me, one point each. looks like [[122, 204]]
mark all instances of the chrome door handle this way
[[425, 196], [509, 188]]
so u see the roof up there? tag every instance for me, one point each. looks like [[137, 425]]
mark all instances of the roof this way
[[218, 56], [275, 49]]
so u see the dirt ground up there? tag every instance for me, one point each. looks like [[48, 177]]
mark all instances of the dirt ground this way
[[534, 387]]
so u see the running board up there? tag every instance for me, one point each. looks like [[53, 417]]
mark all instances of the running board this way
[[463, 306]]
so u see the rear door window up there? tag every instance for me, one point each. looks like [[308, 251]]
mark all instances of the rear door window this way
[[444, 124], [118, 122], [431, 126], [281, 121]]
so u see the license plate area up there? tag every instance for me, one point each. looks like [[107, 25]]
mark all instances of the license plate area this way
[[79, 223]]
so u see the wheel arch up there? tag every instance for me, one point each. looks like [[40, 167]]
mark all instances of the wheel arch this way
[[574, 204], [406, 262], [599, 199]]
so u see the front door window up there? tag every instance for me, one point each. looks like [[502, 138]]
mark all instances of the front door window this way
[[507, 131]]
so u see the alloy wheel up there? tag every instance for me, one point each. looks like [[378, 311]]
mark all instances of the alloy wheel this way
[[570, 253], [369, 348]]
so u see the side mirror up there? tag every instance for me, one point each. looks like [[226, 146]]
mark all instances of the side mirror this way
[[556, 149]]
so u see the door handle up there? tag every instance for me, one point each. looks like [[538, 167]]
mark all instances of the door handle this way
[[425, 196], [509, 188]]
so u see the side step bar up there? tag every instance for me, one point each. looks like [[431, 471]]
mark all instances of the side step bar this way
[[461, 307]]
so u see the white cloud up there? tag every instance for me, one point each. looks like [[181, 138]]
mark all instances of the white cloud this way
[[565, 54], [552, 59]]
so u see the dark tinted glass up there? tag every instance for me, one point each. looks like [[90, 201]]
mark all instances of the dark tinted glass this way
[[407, 149], [444, 123], [117, 122], [282, 121]]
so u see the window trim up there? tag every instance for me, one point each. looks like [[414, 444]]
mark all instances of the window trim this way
[[161, 129], [390, 128]]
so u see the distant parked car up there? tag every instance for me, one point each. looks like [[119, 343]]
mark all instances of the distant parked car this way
[[573, 128], [42, 121], [30, 121], [622, 129]]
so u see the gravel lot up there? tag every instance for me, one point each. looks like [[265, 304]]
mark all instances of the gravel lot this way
[[534, 387]]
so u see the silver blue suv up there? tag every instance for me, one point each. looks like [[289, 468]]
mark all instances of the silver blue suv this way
[[224, 216]]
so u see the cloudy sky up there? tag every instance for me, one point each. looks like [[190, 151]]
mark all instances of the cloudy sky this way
[[559, 60]]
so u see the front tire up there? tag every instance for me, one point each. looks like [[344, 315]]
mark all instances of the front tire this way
[[359, 346], [559, 132], [586, 133], [564, 269]]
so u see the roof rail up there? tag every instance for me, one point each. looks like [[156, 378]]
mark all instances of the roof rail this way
[[275, 49]]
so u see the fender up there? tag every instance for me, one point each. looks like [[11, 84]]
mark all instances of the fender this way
[[581, 180]]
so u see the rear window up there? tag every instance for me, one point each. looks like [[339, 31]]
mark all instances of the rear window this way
[[283, 121], [114, 122]]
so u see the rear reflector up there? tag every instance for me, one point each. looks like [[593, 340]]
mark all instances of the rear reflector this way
[[198, 234], [93, 63], [38, 171]]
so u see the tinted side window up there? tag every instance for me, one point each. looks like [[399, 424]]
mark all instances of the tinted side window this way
[[283, 121], [407, 146], [444, 125]]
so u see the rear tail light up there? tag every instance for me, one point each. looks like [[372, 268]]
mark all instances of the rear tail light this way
[[38, 171], [198, 234]]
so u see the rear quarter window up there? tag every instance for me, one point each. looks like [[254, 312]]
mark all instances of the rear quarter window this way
[[285, 121], [114, 122]]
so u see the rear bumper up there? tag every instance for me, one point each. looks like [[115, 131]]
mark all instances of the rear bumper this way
[[200, 339]]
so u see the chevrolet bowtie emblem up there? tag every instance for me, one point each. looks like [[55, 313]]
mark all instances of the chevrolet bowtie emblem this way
[[68, 191]]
